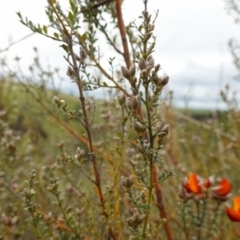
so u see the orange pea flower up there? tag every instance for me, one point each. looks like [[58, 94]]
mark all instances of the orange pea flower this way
[[234, 213], [222, 190], [193, 184]]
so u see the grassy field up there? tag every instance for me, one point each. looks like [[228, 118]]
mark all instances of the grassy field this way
[[36, 138]]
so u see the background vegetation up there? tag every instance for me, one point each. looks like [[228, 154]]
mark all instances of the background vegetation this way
[[86, 169]]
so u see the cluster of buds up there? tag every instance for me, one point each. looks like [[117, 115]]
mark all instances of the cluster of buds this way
[[196, 186], [136, 219], [160, 82], [79, 154], [127, 182], [133, 103], [146, 66], [129, 74]]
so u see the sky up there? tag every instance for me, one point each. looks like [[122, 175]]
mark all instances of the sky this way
[[192, 44]]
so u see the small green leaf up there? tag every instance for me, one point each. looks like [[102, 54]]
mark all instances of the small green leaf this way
[[56, 35], [65, 47], [70, 17], [84, 37], [19, 15], [72, 5], [30, 24], [45, 29]]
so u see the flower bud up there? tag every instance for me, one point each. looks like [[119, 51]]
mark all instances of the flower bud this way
[[83, 54], [70, 72], [122, 100], [136, 219], [150, 63], [149, 57], [184, 194], [144, 73], [62, 102], [57, 101], [157, 67], [143, 196], [164, 80], [166, 129], [141, 63], [128, 103], [138, 127], [132, 70], [125, 72], [127, 182], [136, 101], [79, 154]]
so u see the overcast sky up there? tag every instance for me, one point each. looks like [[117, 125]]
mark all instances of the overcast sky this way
[[192, 43]]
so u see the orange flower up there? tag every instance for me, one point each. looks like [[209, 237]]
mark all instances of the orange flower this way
[[193, 184], [222, 190], [234, 213]]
